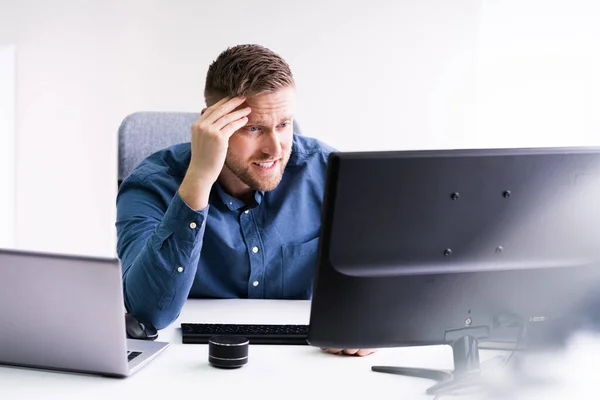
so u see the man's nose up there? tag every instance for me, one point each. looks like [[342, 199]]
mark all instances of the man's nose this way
[[271, 144]]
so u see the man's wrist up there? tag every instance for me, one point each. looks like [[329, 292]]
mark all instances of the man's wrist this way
[[195, 191]]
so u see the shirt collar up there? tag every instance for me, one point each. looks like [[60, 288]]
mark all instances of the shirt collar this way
[[236, 204]]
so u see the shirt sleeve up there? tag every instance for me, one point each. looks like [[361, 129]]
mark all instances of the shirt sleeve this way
[[159, 239]]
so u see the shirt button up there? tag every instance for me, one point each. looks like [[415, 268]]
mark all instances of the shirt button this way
[[180, 269], [255, 283], [246, 212], [255, 250], [193, 225]]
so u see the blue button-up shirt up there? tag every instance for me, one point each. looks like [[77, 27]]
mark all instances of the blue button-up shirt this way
[[230, 249]]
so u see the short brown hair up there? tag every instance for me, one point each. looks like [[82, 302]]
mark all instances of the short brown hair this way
[[244, 70]]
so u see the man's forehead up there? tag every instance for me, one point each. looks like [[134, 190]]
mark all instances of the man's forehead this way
[[257, 118], [270, 114], [267, 109], [284, 97]]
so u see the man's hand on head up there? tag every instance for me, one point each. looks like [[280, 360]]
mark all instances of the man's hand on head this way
[[209, 143], [351, 352]]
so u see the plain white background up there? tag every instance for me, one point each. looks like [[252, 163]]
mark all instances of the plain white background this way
[[7, 145], [371, 75]]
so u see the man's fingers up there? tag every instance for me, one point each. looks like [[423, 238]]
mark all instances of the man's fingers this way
[[232, 127], [212, 108], [359, 352], [224, 109], [233, 116], [365, 352], [350, 352], [333, 351]]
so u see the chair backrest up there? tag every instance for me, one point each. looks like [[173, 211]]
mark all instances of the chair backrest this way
[[143, 133]]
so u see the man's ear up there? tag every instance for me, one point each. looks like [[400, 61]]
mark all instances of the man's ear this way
[[203, 110]]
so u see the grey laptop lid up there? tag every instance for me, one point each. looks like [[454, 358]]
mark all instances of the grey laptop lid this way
[[62, 312]]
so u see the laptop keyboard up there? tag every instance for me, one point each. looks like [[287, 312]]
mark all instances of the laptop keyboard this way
[[132, 354]]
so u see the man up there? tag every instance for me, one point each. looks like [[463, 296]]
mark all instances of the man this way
[[235, 213]]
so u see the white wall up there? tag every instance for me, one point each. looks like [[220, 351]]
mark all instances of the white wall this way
[[7, 146], [372, 75], [537, 74]]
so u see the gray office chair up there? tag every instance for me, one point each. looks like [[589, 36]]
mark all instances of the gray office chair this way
[[143, 133]]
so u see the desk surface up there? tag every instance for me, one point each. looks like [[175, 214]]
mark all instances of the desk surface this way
[[299, 372]]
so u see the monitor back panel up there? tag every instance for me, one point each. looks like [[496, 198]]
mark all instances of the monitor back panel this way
[[459, 211], [416, 245]]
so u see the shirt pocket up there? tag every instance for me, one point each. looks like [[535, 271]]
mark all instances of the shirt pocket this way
[[299, 262]]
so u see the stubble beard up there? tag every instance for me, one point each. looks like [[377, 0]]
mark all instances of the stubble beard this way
[[254, 179]]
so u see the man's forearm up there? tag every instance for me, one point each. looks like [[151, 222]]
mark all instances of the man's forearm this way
[[158, 272], [158, 283], [195, 190]]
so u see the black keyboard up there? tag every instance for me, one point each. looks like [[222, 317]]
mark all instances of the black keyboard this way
[[256, 334]]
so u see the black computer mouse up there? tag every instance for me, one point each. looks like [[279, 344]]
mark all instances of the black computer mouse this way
[[139, 330]]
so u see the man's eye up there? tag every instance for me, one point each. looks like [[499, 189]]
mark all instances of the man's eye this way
[[285, 124], [252, 128]]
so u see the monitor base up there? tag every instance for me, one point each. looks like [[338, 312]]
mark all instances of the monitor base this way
[[448, 382], [466, 374]]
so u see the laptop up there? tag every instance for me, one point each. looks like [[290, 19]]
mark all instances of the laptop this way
[[66, 313]]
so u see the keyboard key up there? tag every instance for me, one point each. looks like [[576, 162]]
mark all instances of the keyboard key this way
[[132, 354]]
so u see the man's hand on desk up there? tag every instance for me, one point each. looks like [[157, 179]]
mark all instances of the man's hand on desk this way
[[351, 352]]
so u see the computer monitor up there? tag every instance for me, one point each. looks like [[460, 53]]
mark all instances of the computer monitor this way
[[457, 247]]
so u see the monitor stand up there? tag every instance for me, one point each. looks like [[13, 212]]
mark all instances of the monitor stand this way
[[466, 374]]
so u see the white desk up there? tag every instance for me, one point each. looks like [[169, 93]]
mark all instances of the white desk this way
[[272, 372]]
